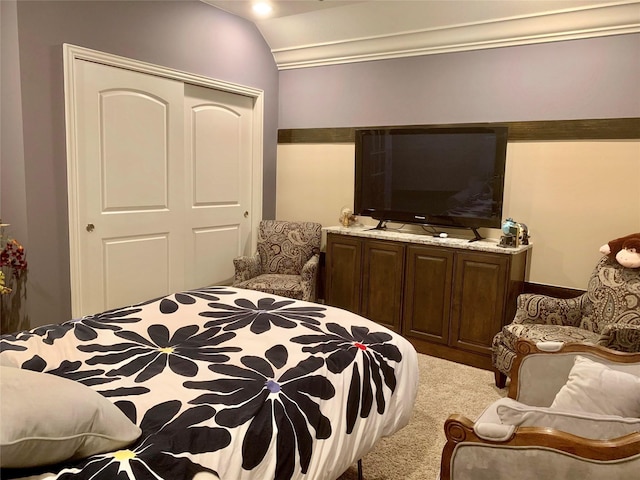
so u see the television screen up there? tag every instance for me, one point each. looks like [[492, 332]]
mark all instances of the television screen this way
[[439, 176]]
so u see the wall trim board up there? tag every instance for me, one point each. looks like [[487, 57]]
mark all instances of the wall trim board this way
[[552, 290], [594, 129]]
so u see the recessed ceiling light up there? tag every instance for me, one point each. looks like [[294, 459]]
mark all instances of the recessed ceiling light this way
[[262, 8]]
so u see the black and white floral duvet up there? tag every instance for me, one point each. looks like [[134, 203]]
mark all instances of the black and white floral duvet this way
[[231, 384]]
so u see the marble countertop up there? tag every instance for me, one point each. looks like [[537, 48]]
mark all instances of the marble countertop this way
[[484, 245]]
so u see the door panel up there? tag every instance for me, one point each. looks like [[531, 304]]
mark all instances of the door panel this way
[[216, 148], [382, 284], [478, 303], [129, 118], [344, 270], [135, 260], [212, 248], [427, 298]]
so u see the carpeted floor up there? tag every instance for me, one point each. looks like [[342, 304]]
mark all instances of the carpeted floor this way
[[414, 452]]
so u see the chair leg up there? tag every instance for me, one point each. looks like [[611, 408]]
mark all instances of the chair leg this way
[[501, 379], [360, 470]]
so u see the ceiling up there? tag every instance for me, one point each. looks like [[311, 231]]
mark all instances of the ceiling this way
[[281, 8], [308, 33]]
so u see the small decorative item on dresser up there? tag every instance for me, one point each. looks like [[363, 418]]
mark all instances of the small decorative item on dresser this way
[[510, 231], [523, 234], [13, 269], [347, 218], [515, 234]]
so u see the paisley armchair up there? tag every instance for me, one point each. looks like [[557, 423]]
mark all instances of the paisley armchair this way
[[286, 262], [607, 314]]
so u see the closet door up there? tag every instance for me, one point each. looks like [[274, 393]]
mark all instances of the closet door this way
[[162, 201], [217, 222], [129, 129]]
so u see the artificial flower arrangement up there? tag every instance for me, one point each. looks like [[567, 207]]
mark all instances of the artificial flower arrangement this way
[[13, 261]]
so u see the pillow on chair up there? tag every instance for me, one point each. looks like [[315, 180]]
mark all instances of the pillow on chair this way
[[595, 388]]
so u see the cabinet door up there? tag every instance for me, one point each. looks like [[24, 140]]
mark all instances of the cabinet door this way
[[382, 283], [427, 298], [343, 272], [478, 300]]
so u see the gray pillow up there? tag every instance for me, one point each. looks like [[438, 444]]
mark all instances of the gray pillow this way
[[48, 419]]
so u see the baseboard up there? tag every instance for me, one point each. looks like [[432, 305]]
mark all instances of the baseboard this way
[[446, 352]]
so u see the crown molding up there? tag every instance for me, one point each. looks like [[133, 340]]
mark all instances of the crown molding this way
[[570, 24]]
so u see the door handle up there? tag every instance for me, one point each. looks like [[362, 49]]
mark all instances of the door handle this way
[[90, 227]]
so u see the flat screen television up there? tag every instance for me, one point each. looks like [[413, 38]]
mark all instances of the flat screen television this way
[[442, 176]]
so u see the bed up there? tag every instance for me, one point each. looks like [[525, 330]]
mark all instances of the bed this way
[[214, 383]]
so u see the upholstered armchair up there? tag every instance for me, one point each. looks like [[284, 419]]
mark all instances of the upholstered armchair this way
[[573, 411], [286, 262], [607, 314]]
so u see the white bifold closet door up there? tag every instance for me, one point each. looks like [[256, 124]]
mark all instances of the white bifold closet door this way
[[164, 185]]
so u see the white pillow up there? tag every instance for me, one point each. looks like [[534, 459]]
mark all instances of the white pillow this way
[[587, 425], [48, 419], [596, 388]]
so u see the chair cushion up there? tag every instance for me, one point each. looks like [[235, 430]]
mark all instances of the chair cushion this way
[[539, 333], [285, 285], [596, 388]]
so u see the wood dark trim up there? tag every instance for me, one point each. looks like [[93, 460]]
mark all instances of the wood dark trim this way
[[552, 291], [317, 135], [596, 129]]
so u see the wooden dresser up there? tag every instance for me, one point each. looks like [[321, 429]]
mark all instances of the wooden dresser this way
[[447, 296]]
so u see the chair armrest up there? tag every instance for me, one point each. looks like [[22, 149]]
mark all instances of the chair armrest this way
[[310, 269], [309, 276], [544, 310], [621, 336], [546, 444], [246, 268], [495, 432]]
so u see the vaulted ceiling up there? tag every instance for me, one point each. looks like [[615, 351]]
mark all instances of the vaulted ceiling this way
[[306, 33]]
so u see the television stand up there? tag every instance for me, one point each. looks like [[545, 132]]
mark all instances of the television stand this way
[[426, 288]]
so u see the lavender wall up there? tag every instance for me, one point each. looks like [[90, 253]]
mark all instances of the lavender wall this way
[[581, 79], [186, 35]]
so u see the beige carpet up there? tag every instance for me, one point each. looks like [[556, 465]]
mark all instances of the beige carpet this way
[[414, 452]]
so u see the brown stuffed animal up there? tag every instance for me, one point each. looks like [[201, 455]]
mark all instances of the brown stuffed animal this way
[[626, 250]]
